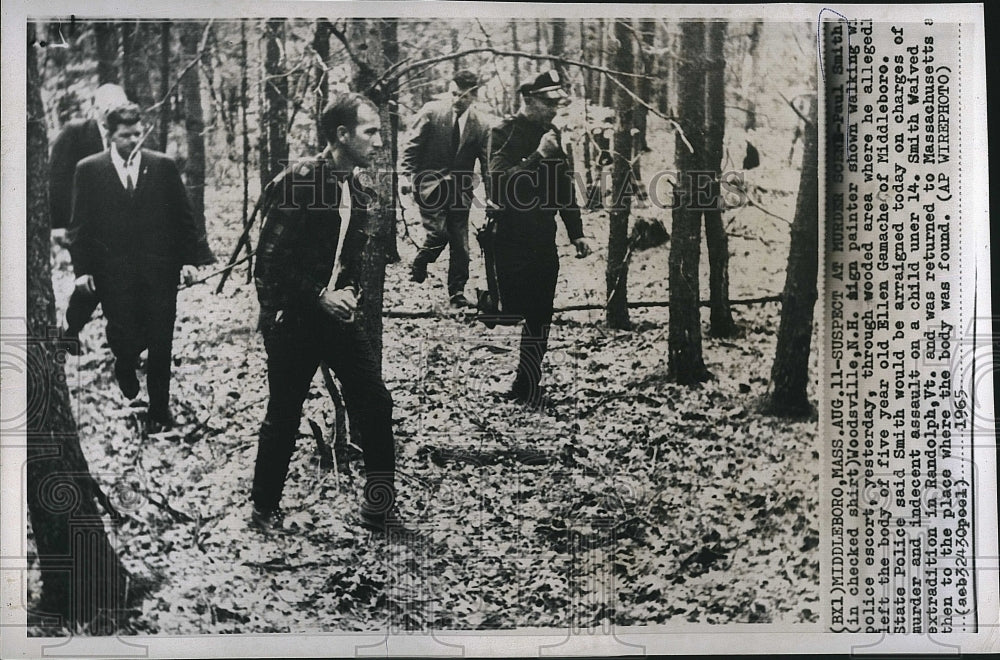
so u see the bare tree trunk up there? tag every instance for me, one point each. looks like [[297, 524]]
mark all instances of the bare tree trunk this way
[[722, 324], [456, 64], [749, 76], [379, 36], [647, 30], [107, 52], [163, 119], [83, 581], [557, 46], [275, 116], [517, 63], [616, 275], [684, 358], [321, 44], [790, 373], [136, 36], [665, 67], [588, 75], [245, 125], [194, 122], [604, 94]]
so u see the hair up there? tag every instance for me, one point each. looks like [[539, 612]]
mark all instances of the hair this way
[[125, 115], [109, 96], [342, 110], [466, 79]]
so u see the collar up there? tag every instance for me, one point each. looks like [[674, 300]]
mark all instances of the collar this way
[[120, 163]]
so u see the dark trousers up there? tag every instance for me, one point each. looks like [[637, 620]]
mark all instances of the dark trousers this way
[[295, 347], [527, 283], [140, 311], [79, 310], [445, 217]]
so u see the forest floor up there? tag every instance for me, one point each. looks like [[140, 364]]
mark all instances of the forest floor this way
[[637, 502]]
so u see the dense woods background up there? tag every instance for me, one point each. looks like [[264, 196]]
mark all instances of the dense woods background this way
[[676, 482]]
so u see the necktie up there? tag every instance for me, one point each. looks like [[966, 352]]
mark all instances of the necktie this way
[[129, 184]]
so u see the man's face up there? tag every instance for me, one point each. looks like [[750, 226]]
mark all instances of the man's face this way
[[541, 109], [461, 99], [126, 137], [361, 144]]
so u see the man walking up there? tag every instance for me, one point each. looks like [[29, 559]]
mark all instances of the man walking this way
[[77, 140], [448, 137], [133, 232], [307, 311], [532, 180]]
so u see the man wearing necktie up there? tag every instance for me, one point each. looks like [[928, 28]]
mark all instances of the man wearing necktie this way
[[307, 311], [447, 139], [77, 140], [133, 235]]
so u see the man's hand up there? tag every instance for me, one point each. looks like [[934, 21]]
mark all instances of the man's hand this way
[[582, 247], [85, 284], [340, 304], [549, 146], [188, 273]]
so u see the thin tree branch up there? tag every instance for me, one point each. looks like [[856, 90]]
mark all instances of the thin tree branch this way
[[342, 38], [192, 63], [401, 68]]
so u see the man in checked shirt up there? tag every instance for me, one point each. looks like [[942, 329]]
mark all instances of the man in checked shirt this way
[[307, 318]]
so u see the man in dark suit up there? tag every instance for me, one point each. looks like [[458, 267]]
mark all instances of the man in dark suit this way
[[447, 139], [77, 140], [532, 181], [132, 233]]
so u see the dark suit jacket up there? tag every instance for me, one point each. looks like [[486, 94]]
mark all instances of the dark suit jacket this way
[[77, 140], [153, 233], [427, 155]]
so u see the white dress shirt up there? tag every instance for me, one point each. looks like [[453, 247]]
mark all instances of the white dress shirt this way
[[125, 169]]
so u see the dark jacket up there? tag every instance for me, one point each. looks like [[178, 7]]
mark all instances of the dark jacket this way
[[527, 189], [299, 240], [77, 140], [427, 154], [156, 230]]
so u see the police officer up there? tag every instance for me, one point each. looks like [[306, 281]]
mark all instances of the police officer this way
[[307, 311], [532, 180]]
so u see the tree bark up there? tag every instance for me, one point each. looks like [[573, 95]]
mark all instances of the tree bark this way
[[106, 37], [164, 112], [194, 122], [456, 64], [647, 30], [321, 44], [604, 93], [684, 358], [245, 125], [516, 63], [557, 46], [136, 36], [83, 582], [616, 274], [722, 324], [790, 372], [275, 116], [381, 50]]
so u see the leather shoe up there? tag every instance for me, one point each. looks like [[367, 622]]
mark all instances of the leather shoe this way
[[160, 421], [127, 380], [388, 522], [459, 301], [266, 520], [418, 271]]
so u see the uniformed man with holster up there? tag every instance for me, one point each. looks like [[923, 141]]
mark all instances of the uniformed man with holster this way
[[532, 181]]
